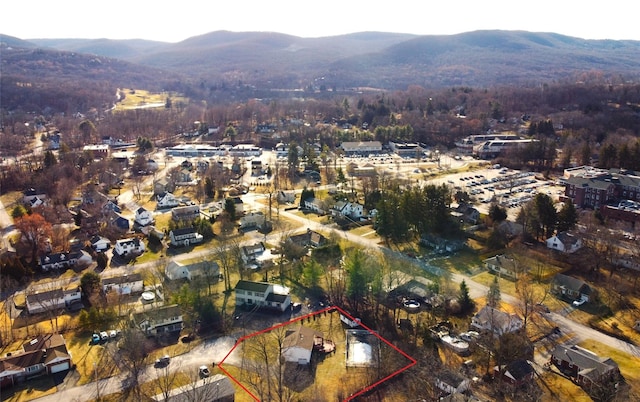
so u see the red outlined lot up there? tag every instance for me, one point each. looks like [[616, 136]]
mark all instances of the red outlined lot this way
[[354, 395]]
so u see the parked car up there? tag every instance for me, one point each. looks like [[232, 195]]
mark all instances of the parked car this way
[[104, 336], [95, 339], [163, 361], [578, 303], [204, 372], [114, 333]]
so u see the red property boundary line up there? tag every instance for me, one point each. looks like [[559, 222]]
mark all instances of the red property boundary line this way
[[412, 361]]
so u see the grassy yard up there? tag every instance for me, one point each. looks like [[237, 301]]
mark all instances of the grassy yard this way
[[557, 388]]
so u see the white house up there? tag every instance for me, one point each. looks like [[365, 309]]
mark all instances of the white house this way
[[252, 220], [298, 344], [184, 237], [347, 209], [51, 300], [167, 200], [177, 270], [123, 285], [186, 213], [451, 383], [315, 205], [499, 322], [165, 319], [64, 260], [99, 243], [564, 242], [143, 217], [262, 294], [129, 247]]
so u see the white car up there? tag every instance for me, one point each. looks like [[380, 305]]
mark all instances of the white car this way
[[578, 303], [104, 336]]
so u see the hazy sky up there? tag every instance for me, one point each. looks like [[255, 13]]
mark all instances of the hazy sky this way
[[174, 21]]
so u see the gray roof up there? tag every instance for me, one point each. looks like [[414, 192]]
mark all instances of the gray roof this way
[[590, 364], [215, 388], [253, 286], [571, 283], [135, 277]]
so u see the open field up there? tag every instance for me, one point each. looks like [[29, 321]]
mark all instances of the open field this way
[[138, 98]]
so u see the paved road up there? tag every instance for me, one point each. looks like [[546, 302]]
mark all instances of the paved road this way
[[204, 354]]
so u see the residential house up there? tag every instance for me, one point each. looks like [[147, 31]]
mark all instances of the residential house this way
[[143, 217], [351, 210], [99, 243], [159, 321], [564, 242], [131, 247], [315, 205], [299, 343], [504, 266], [176, 270], [166, 200], [46, 354], [568, 287], [109, 207], [450, 382], [55, 298], [186, 213], [262, 294], [217, 388], [163, 185], [517, 373], [251, 253], [468, 213], [310, 238], [184, 177], [31, 195], [583, 366], [123, 285], [286, 197], [58, 261], [239, 205], [252, 220], [118, 221], [184, 237], [498, 322]]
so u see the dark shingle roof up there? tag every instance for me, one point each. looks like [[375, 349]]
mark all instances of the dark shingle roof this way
[[253, 286]]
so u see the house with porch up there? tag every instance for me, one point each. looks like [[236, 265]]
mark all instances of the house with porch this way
[[162, 320], [262, 294], [299, 344], [46, 354], [184, 237]]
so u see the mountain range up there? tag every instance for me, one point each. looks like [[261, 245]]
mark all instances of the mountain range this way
[[386, 61]]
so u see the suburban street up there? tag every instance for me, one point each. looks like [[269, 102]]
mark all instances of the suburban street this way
[[215, 350]]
